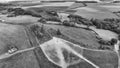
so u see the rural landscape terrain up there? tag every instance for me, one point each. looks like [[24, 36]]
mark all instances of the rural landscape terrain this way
[[60, 34]]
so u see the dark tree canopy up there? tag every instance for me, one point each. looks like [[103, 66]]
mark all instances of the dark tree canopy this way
[[113, 41]]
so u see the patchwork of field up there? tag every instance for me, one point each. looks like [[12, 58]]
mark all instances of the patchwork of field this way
[[87, 10], [75, 48]]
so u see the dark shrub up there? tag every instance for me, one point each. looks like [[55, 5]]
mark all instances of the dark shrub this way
[[53, 13], [38, 32], [34, 28], [119, 37], [10, 9], [42, 29], [42, 20], [102, 42], [66, 23], [59, 32], [20, 11], [113, 41], [53, 19]]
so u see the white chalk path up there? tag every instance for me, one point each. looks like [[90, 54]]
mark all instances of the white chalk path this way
[[56, 44], [116, 49], [7, 55]]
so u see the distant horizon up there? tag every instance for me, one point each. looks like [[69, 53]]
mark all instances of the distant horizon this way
[[6, 1]]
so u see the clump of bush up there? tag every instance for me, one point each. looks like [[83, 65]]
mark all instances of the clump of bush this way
[[59, 32], [103, 42], [102, 47], [53, 13], [37, 30], [108, 24], [68, 23], [113, 41], [20, 11], [53, 19], [79, 20], [42, 20]]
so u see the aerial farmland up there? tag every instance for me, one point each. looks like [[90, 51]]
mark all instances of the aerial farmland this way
[[59, 34]]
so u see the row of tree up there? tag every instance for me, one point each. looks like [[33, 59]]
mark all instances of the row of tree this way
[[20, 11], [112, 24], [108, 24], [40, 32], [110, 43]]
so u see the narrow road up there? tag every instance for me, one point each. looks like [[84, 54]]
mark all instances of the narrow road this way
[[7, 55], [116, 49]]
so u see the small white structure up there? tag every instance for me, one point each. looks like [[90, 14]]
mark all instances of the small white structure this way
[[12, 50], [1, 20], [116, 46]]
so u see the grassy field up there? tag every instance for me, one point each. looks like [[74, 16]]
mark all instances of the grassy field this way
[[13, 35], [106, 34], [94, 10], [78, 35], [112, 8], [76, 5], [55, 6], [95, 13], [20, 19], [50, 8], [102, 58]]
